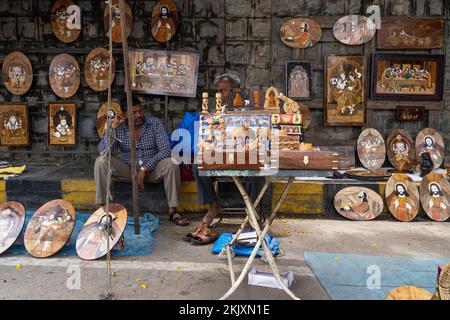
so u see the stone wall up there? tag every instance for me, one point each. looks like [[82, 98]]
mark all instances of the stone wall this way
[[238, 36]]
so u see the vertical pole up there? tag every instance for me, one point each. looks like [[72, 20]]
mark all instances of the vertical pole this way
[[126, 64], [166, 112]]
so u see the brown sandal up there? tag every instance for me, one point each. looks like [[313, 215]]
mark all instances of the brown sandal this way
[[193, 234], [178, 219], [205, 236]]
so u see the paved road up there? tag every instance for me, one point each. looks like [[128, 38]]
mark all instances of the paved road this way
[[178, 270]]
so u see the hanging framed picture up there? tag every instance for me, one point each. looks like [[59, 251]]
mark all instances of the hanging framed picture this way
[[14, 125], [164, 20], [300, 33], [407, 77], [345, 87], [66, 20], [64, 75], [354, 30], [116, 21], [17, 73], [62, 124], [96, 69], [298, 80], [171, 73]]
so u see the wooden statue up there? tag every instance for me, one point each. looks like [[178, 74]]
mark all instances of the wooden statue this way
[[271, 102], [256, 98], [290, 106], [238, 102], [205, 103], [218, 103]]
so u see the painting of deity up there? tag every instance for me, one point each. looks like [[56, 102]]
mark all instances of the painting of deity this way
[[407, 77], [14, 122], [66, 20], [400, 150], [300, 33], [116, 21], [402, 197], [104, 113], [431, 141], [64, 75], [62, 124], [298, 80], [354, 30], [17, 73], [371, 149], [345, 98], [358, 203], [164, 20], [435, 196], [96, 70]]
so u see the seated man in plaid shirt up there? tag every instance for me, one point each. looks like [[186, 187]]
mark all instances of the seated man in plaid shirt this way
[[153, 157]]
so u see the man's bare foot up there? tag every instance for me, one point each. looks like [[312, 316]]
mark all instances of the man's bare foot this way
[[213, 212]]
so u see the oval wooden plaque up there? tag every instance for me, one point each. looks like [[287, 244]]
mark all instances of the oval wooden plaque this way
[[409, 293], [402, 197], [12, 219], [66, 20], [164, 20], [300, 33], [371, 149], [17, 73], [435, 196], [116, 28], [50, 228], [358, 203], [96, 69], [92, 242], [101, 116], [354, 30], [64, 75], [429, 140], [400, 150]]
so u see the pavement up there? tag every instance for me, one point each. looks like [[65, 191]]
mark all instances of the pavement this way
[[179, 270]]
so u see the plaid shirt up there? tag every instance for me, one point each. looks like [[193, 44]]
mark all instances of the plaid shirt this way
[[151, 147]]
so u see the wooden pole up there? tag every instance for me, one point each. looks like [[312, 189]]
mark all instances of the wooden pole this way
[[126, 64]]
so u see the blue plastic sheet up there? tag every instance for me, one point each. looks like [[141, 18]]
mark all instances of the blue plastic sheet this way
[[225, 238]]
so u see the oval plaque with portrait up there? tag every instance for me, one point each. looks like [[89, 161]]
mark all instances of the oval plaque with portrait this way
[[50, 228], [102, 115], [66, 20], [371, 149], [400, 150], [64, 75], [116, 21], [402, 197], [435, 196], [358, 203], [96, 69], [17, 73], [354, 30], [92, 242], [300, 33], [429, 140], [164, 20], [12, 219]]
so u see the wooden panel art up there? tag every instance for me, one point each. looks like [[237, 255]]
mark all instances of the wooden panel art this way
[[358, 203], [14, 125], [17, 73], [64, 75], [402, 197], [298, 79], [164, 20], [431, 141], [300, 33], [354, 30], [12, 219], [371, 149], [435, 196], [62, 124], [400, 150], [66, 20], [102, 114], [96, 69], [116, 21]]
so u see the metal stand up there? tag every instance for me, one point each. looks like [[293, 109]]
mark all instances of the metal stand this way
[[252, 218]]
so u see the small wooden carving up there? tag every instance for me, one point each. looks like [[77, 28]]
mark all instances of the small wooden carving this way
[[205, 109], [272, 103], [290, 106], [238, 101], [218, 103]]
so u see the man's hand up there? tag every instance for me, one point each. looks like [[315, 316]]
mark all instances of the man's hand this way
[[118, 121], [140, 179]]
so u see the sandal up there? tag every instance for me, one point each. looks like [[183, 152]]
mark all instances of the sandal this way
[[191, 235], [205, 236], [178, 219]]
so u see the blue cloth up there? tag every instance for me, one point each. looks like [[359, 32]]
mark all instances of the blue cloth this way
[[151, 147], [187, 123], [135, 245], [346, 276], [225, 238]]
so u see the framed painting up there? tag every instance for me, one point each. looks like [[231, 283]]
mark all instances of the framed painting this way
[[435, 196], [300, 33], [169, 73], [402, 197], [14, 124], [64, 75], [62, 124], [17, 73], [298, 79], [96, 69], [358, 203], [410, 33], [354, 30], [345, 90], [407, 77], [116, 21], [66, 20], [164, 20]]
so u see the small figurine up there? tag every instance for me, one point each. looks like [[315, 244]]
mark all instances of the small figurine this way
[[271, 102], [218, 103], [426, 164], [290, 106], [205, 103], [238, 102]]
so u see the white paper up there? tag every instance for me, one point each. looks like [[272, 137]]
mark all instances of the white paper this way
[[267, 279]]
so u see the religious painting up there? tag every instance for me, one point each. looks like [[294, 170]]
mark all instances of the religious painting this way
[[17, 73], [402, 197], [92, 241], [256, 97], [435, 196], [96, 69], [345, 97], [170, 73], [116, 21], [12, 219], [50, 228], [298, 79], [64, 75], [354, 30], [410, 33], [400, 150], [271, 101], [62, 118], [358, 203], [300, 33], [371, 149], [66, 20], [104, 113], [14, 122], [429, 140], [407, 77], [164, 20]]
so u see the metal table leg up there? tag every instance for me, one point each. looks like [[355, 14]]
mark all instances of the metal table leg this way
[[252, 218]]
